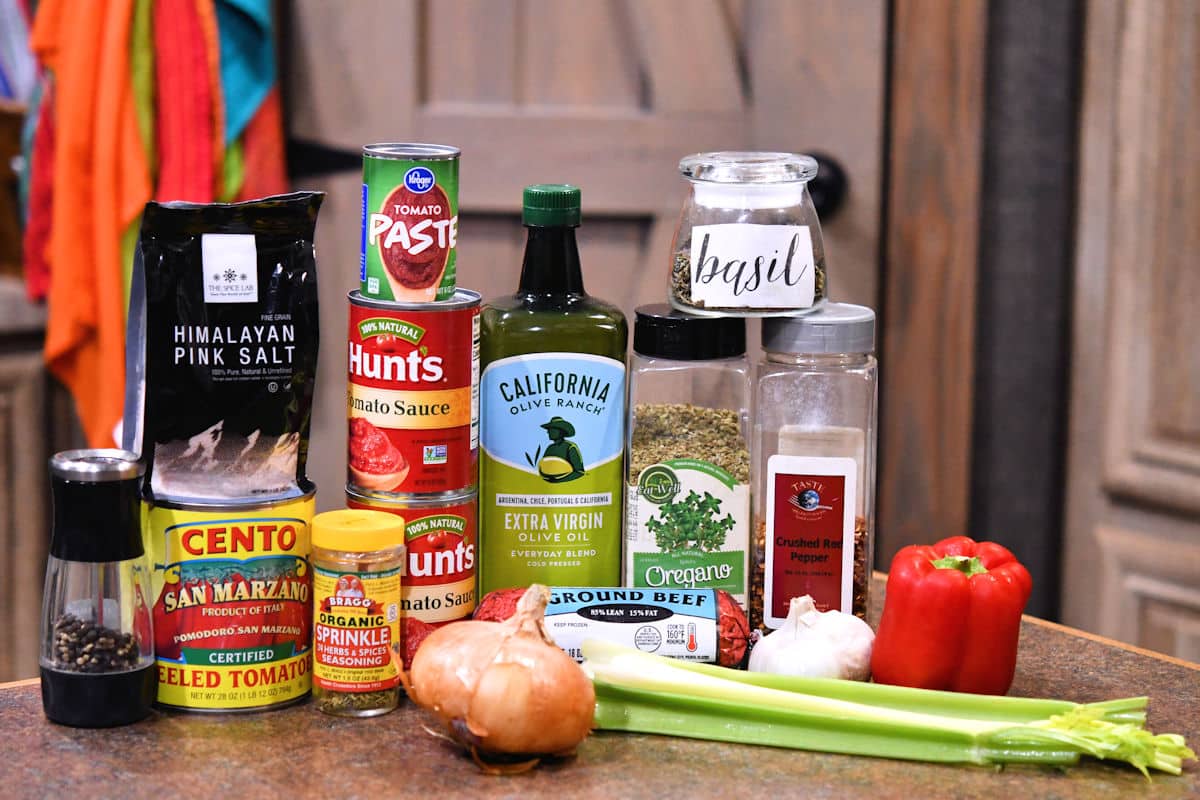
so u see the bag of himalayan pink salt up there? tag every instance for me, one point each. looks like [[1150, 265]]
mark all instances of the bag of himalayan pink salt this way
[[222, 348]]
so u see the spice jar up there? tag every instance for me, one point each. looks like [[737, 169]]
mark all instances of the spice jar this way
[[748, 242], [97, 655], [687, 510], [814, 476], [357, 560]]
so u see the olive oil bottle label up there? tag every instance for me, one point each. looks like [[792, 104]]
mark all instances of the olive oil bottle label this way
[[687, 526], [551, 470]]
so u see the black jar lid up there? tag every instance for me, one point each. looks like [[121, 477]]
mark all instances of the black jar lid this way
[[97, 516], [660, 331]]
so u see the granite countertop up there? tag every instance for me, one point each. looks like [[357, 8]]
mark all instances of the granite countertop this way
[[300, 752]]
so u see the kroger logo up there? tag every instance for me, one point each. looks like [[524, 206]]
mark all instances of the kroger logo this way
[[419, 179]]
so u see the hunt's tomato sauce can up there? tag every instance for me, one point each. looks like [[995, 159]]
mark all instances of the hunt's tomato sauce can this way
[[438, 585], [413, 396], [232, 602], [409, 222]]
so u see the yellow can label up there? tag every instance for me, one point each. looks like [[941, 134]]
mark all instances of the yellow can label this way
[[232, 604], [356, 620]]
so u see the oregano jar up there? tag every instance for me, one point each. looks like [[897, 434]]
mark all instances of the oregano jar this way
[[749, 241], [687, 509]]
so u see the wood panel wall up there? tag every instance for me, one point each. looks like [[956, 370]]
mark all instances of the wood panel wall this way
[[1133, 514], [930, 270]]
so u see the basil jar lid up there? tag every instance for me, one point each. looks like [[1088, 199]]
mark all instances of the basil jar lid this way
[[833, 328], [738, 179]]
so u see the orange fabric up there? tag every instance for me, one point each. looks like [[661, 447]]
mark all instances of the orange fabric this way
[[101, 181], [185, 105], [263, 151]]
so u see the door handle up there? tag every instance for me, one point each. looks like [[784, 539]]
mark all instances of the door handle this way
[[828, 189]]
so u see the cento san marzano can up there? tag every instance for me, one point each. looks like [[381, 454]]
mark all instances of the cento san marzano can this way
[[409, 222], [441, 543], [413, 396], [232, 602]]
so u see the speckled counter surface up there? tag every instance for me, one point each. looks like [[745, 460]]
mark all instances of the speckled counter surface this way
[[300, 752]]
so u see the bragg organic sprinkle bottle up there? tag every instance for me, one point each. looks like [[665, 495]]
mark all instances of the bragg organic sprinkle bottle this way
[[357, 561], [552, 400]]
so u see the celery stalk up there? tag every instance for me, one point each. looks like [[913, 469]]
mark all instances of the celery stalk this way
[[636, 691], [950, 704]]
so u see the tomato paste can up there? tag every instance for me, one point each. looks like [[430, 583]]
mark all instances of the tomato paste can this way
[[413, 396], [438, 584], [232, 602], [409, 222]]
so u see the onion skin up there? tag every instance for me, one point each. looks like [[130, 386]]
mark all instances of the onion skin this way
[[504, 687]]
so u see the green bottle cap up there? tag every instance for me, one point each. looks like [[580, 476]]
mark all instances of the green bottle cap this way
[[547, 205]]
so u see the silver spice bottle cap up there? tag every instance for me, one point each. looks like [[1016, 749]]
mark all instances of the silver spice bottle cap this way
[[97, 465], [833, 328]]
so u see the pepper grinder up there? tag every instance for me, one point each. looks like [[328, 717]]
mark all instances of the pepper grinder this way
[[97, 656]]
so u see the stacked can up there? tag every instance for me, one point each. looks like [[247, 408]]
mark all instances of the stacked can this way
[[413, 395]]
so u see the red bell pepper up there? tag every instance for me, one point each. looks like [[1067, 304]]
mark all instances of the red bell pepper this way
[[951, 617]]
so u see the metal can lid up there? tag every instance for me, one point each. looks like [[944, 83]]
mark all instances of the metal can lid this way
[[96, 465], [411, 150], [833, 328], [395, 503], [463, 298]]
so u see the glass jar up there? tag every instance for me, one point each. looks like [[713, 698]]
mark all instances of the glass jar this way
[[357, 560], [687, 511], [749, 242], [97, 655], [814, 471]]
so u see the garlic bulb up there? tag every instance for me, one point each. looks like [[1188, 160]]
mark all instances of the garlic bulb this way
[[816, 644]]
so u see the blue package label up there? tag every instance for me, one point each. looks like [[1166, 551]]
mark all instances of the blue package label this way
[[678, 623]]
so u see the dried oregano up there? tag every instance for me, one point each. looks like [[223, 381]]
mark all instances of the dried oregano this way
[[663, 431]]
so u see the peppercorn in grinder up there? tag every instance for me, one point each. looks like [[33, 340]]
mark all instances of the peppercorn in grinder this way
[[97, 655]]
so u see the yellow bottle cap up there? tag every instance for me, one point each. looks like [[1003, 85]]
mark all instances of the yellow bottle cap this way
[[357, 530]]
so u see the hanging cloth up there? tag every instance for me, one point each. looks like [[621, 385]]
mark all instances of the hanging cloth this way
[[186, 103], [100, 184], [38, 203], [247, 60], [264, 171]]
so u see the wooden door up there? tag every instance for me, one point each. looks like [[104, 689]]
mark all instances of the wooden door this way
[[606, 94], [1132, 552]]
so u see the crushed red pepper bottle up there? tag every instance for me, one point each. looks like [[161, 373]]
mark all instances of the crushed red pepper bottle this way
[[814, 481]]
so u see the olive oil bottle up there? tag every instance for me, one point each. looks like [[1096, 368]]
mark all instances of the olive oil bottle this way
[[552, 403]]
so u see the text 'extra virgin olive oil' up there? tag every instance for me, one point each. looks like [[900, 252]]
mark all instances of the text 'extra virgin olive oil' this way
[[552, 397]]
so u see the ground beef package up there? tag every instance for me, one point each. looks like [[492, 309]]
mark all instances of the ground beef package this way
[[222, 349]]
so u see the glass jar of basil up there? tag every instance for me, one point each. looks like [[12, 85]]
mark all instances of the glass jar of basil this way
[[749, 242]]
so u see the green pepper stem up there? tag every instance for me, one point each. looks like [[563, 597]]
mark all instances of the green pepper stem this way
[[970, 565]]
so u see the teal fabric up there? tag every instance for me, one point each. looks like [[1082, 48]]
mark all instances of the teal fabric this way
[[246, 30]]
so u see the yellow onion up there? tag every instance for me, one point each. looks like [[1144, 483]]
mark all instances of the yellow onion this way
[[504, 687]]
